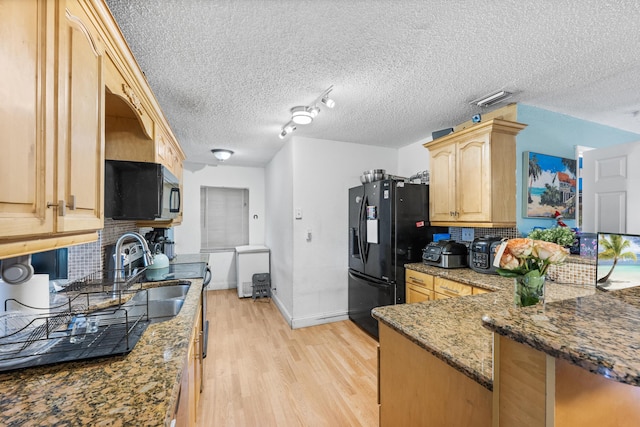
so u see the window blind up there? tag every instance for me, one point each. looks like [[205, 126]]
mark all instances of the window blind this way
[[224, 216]]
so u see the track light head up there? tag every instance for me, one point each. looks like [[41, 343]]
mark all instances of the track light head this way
[[330, 103]]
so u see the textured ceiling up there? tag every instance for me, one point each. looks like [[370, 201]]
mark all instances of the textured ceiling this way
[[226, 73]]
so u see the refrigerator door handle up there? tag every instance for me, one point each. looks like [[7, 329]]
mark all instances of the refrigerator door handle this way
[[376, 283], [362, 238]]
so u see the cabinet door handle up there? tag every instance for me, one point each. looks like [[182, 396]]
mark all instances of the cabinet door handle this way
[[72, 202], [60, 206]]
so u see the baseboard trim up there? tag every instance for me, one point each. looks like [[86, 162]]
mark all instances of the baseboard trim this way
[[303, 322], [217, 286], [319, 319], [283, 310]]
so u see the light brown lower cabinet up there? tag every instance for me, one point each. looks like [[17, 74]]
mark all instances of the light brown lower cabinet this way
[[187, 406], [534, 389], [425, 287], [418, 389]]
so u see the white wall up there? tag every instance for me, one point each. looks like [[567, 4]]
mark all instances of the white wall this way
[[413, 158], [279, 233], [187, 235], [322, 173]]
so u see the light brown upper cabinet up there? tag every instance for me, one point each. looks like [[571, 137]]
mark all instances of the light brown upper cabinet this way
[[70, 85], [473, 176], [51, 117], [80, 160]]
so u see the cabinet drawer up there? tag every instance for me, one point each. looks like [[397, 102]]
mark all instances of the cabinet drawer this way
[[418, 294], [419, 279], [451, 288]]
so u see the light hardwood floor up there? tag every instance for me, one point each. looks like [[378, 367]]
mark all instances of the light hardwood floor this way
[[260, 372]]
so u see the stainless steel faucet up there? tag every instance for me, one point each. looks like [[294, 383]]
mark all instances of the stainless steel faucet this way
[[147, 258]]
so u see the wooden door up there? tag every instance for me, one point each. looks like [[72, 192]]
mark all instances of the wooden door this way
[[27, 31], [473, 168], [609, 189], [442, 193], [81, 149]]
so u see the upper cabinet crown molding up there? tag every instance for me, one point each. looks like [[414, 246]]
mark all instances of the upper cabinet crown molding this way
[[473, 178]]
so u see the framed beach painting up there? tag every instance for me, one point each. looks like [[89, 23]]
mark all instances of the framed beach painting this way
[[550, 184], [618, 261]]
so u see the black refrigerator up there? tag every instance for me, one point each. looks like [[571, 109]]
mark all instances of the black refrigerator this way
[[388, 228]]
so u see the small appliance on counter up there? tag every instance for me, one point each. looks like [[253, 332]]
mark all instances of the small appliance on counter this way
[[482, 253], [445, 254]]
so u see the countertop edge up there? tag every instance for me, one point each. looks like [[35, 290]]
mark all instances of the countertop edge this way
[[483, 380]]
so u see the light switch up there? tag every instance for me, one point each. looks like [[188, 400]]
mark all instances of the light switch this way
[[298, 213]]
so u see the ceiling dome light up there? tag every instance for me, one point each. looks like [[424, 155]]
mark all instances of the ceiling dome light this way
[[302, 115], [221, 154]]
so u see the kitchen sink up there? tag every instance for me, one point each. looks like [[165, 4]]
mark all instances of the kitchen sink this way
[[163, 293], [160, 303]]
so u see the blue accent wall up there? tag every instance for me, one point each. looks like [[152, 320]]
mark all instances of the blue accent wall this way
[[556, 135]]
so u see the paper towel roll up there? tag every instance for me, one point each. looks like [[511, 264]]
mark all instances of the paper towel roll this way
[[34, 293]]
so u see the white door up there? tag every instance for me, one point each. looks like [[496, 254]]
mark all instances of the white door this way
[[611, 189]]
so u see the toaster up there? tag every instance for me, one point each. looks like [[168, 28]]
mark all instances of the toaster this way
[[482, 253], [445, 254]]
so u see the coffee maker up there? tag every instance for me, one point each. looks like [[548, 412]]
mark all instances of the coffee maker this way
[[158, 238]]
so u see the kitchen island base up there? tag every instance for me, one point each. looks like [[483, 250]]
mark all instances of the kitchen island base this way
[[535, 389], [418, 389]]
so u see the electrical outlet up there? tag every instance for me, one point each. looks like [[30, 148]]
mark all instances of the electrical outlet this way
[[467, 234]]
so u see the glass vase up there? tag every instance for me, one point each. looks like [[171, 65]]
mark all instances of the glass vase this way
[[529, 290]]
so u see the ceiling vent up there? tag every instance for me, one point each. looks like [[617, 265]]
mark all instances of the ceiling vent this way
[[492, 99]]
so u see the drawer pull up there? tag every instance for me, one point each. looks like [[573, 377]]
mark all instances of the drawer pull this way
[[455, 291]]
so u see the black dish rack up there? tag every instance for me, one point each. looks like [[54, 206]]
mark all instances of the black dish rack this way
[[33, 336]]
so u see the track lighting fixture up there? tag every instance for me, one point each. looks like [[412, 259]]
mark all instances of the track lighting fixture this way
[[304, 115], [221, 154]]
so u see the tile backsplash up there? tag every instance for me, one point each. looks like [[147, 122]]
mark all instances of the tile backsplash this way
[[577, 270], [88, 258], [509, 233]]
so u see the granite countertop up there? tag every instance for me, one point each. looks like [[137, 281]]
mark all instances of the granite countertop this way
[[140, 388], [452, 329], [599, 333]]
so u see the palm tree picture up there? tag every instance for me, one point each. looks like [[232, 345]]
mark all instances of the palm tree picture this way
[[613, 248], [534, 174], [551, 185]]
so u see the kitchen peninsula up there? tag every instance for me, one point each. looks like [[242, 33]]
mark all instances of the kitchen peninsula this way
[[436, 358], [141, 388]]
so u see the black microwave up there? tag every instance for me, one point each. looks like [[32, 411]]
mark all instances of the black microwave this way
[[140, 191]]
